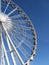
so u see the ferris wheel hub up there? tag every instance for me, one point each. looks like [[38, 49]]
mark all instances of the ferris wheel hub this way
[[5, 20], [3, 17]]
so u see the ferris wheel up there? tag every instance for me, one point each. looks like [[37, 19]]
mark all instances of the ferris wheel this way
[[17, 35]]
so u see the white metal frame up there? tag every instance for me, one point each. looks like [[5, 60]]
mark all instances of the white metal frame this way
[[9, 41]]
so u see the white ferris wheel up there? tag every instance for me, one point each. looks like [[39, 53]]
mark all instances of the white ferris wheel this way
[[17, 35]]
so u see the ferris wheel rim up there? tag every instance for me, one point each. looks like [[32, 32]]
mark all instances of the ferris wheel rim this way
[[32, 28]]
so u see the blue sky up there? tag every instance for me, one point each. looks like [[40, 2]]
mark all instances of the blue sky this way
[[38, 11]]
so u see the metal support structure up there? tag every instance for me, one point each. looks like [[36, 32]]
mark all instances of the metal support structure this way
[[0, 46], [0, 5], [3, 56], [13, 46], [5, 53], [10, 49], [1, 52]]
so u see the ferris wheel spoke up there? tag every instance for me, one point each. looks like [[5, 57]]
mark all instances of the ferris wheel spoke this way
[[17, 60], [0, 5], [3, 56], [14, 38], [17, 39], [5, 53], [3, 61], [18, 34], [24, 52], [7, 6], [22, 33], [21, 41], [4, 7], [22, 62], [18, 27], [21, 26], [18, 20], [11, 50], [16, 16], [25, 34], [12, 11], [26, 42], [17, 42], [16, 23]]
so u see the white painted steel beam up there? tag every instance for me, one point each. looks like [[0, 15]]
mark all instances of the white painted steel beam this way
[[0, 5], [5, 53], [13, 46], [12, 11], [10, 49]]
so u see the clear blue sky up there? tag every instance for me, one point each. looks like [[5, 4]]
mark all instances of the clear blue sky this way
[[38, 11]]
